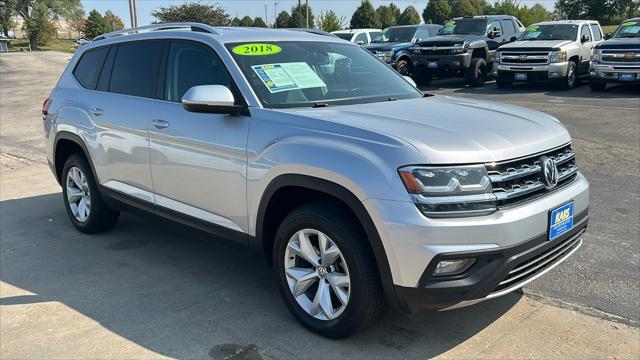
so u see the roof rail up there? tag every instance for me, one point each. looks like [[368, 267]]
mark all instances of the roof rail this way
[[159, 27]]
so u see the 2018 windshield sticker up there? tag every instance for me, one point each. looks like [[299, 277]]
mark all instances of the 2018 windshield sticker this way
[[256, 49], [288, 76], [629, 23]]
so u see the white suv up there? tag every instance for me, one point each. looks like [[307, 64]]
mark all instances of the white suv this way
[[312, 154]]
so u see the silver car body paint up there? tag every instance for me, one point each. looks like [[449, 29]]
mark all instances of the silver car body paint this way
[[217, 167]]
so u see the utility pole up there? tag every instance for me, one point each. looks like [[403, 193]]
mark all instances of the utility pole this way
[[266, 18], [307, 7], [275, 15], [300, 13], [134, 15]]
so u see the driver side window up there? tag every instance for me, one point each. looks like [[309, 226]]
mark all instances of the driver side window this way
[[495, 24], [361, 37], [585, 33]]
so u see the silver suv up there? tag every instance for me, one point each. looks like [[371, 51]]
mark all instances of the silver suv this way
[[311, 153], [555, 51]]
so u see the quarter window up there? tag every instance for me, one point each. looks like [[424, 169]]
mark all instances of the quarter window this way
[[189, 65], [88, 69], [597, 34], [135, 69]]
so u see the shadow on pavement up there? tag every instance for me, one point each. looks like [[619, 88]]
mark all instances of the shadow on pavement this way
[[157, 285]]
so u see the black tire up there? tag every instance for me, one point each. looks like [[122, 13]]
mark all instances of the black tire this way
[[570, 81], [597, 86], [403, 66], [421, 76], [504, 84], [100, 218], [366, 303], [477, 72]]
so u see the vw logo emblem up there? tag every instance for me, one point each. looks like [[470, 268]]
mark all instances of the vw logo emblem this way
[[550, 172]]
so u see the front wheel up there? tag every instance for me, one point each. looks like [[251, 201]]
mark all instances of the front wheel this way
[[570, 80], [403, 66], [326, 271], [477, 73]]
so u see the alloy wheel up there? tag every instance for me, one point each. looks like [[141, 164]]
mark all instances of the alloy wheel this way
[[78, 194], [317, 274]]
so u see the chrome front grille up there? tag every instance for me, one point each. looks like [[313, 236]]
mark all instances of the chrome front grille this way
[[535, 266], [518, 57], [621, 56], [520, 180]]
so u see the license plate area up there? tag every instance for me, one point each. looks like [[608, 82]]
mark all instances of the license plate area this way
[[432, 64], [560, 220], [521, 76], [626, 76]]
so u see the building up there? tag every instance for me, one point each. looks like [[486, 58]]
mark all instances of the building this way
[[63, 30]]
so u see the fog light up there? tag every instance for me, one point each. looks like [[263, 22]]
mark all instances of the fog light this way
[[554, 74], [453, 267], [455, 63]]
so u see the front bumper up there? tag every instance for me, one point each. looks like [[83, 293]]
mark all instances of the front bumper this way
[[534, 73], [610, 73], [414, 244], [446, 64]]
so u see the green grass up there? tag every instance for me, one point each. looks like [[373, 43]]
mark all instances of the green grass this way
[[53, 45], [609, 29]]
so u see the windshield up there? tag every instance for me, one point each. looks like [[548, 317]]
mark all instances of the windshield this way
[[344, 36], [298, 74], [628, 29], [465, 27], [396, 34], [550, 32]]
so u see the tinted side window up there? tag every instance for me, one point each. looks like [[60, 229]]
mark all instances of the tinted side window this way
[[88, 69], [190, 64], [422, 34], [585, 33], [495, 24], [507, 27], [433, 30], [597, 34], [361, 37], [135, 69]]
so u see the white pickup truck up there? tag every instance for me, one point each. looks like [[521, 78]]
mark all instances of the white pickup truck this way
[[554, 51]]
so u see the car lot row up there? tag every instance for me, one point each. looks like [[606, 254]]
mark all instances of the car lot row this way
[[558, 52]]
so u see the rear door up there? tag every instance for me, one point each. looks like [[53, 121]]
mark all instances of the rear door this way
[[198, 160], [120, 109]]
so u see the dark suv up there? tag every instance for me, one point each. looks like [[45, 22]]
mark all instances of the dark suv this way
[[465, 46], [394, 44]]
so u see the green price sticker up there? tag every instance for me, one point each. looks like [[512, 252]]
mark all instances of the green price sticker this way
[[532, 28], [629, 23], [256, 49], [450, 23]]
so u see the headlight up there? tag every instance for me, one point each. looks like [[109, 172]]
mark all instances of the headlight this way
[[386, 55], [499, 57], [596, 55], [459, 48], [453, 191], [557, 56]]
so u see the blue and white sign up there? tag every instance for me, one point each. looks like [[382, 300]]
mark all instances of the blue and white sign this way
[[561, 220]]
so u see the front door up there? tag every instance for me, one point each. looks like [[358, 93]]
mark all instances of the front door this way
[[198, 160]]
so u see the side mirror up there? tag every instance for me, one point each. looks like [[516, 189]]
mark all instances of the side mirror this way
[[584, 38], [607, 36], [359, 42], [213, 99], [410, 80], [416, 40], [496, 32], [513, 38]]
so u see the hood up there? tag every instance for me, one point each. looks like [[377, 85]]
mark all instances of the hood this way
[[622, 44], [450, 40], [537, 44], [388, 46], [452, 130]]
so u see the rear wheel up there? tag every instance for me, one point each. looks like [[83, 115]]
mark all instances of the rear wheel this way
[[403, 66], [326, 271], [85, 207], [477, 72], [598, 86]]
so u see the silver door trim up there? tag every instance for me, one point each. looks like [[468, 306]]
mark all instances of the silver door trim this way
[[130, 190], [196, 212]]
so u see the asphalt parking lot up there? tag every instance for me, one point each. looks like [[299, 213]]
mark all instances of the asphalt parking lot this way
[[152, 289]]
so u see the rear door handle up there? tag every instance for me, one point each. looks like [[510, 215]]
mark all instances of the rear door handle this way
[[97, 111], [159, 123]]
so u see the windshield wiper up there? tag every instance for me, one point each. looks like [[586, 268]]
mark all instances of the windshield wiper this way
[[320, 104]]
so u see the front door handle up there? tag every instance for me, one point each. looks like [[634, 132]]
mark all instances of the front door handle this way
[[97, 111], [159, 123]]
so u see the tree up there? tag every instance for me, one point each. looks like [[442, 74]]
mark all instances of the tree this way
[[395, 10], [438, 11], [95, 25], [387, 17], [193, 12], [536, 13], [258, 22], [6, 18], [463, 8], [330, 21], [37, 16], [76, 20], [235, 22], [246, 21], [409, 16], [299, 17], [283, 20], [113, 21], [365, 17]]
